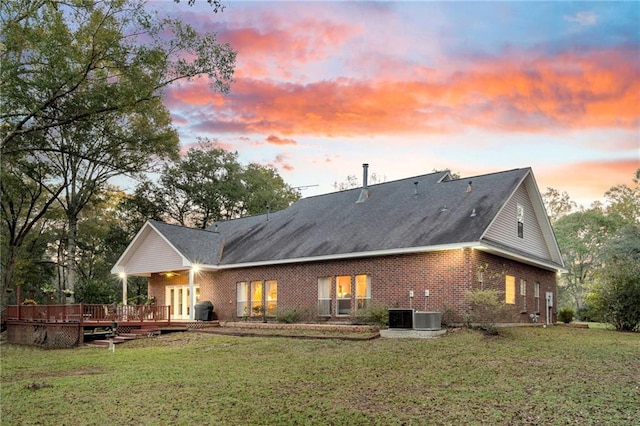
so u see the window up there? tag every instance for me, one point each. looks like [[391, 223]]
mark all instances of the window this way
[[520, 217], [536, 295], [343, 295], [324, 296], [272, 297], [242, 299], [523, 294], [510, 289], [363, 291], [256, 298]]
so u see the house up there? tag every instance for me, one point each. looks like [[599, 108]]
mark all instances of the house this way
[[420, 242]]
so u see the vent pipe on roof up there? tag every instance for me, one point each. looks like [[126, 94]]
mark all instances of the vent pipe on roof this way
[[268, 211], [364, 192], [415, 190], [470, 187]]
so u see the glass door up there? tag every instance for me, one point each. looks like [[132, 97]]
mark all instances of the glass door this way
[[177, 297]]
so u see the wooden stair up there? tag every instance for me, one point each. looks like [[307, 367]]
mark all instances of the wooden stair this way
[[123, 337]]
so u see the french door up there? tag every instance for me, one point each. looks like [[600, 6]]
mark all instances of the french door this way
[[177, 297]]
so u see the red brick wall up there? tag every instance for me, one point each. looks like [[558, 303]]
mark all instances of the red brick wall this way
[[448, 275]]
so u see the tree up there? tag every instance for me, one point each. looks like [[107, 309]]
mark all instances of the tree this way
[[81, 88], [208, 185], [624, 201], [353, 181], [616, 296], [581, 236], [557, 204]]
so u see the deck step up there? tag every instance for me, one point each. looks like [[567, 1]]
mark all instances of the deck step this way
[[146, 331], [128, 336]]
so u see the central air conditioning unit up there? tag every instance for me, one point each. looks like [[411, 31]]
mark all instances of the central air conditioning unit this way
[[400, 318], [427, 320]]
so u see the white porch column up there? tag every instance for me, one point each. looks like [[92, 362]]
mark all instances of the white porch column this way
[[123, 275], [192, 293]]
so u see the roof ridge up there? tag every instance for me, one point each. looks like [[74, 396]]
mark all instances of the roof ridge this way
[[175, 225]]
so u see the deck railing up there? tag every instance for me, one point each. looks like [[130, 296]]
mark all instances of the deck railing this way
[[88, 313]]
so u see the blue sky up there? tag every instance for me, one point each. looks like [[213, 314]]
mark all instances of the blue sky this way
[[409, 87]]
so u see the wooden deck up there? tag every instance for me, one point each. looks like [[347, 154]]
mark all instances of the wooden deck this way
[[90, 315]]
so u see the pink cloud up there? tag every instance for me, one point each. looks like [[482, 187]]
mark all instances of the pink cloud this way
[[281, 163]]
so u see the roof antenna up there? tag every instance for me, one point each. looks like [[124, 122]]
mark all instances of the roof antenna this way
[[415, 190]]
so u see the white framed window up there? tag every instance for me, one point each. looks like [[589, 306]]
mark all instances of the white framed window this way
[[271, 295], [536, 296], [242, 299], [520, 218], [257, 301], [343, 295], [523, 294], [363, 291], [324, 296]]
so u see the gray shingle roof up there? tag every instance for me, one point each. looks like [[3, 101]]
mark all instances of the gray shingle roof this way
[[197, 245], [393, 217]]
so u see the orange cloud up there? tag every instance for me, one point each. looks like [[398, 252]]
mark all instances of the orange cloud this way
[[589, 180], [569, 91], [272, 139]]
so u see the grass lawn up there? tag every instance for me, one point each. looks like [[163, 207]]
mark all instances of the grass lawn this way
[[541, 376]]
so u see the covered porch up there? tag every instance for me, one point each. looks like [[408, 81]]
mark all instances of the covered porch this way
[[158, 249]]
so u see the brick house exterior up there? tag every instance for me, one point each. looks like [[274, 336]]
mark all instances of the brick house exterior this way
[[330, 255]]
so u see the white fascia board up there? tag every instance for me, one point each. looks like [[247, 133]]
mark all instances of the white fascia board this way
[[343, 256], [520, 258], [543, 220]]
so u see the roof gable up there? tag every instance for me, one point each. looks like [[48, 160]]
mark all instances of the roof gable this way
[[162, 247]]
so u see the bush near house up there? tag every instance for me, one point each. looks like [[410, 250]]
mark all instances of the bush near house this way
[[486, 309], [566, 315]]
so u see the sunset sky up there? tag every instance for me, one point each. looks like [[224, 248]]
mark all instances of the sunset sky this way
[[409, 87]]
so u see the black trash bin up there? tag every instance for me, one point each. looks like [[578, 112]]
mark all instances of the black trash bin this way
[[203, 311]]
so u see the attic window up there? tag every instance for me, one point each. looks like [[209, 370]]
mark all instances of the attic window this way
[[520, 218]]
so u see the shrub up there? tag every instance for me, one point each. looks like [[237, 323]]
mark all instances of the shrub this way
[[566, 315], [371, 315], [288, 316], [486, 309]]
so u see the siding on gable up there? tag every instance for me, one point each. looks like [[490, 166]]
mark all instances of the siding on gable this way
[[153, 254], [504, 229]]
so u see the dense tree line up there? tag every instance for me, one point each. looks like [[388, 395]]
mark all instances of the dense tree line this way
[[601, 250], [81, 89]]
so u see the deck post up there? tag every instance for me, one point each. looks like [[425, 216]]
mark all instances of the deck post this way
[[18, 297]]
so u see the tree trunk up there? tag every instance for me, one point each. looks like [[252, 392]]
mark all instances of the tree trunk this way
[[72, 266], [7, 277]]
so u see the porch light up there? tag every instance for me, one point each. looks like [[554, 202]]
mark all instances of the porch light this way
[[122, 275], [195, 268]]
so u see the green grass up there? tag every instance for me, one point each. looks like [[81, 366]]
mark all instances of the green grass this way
[[555, 375]]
